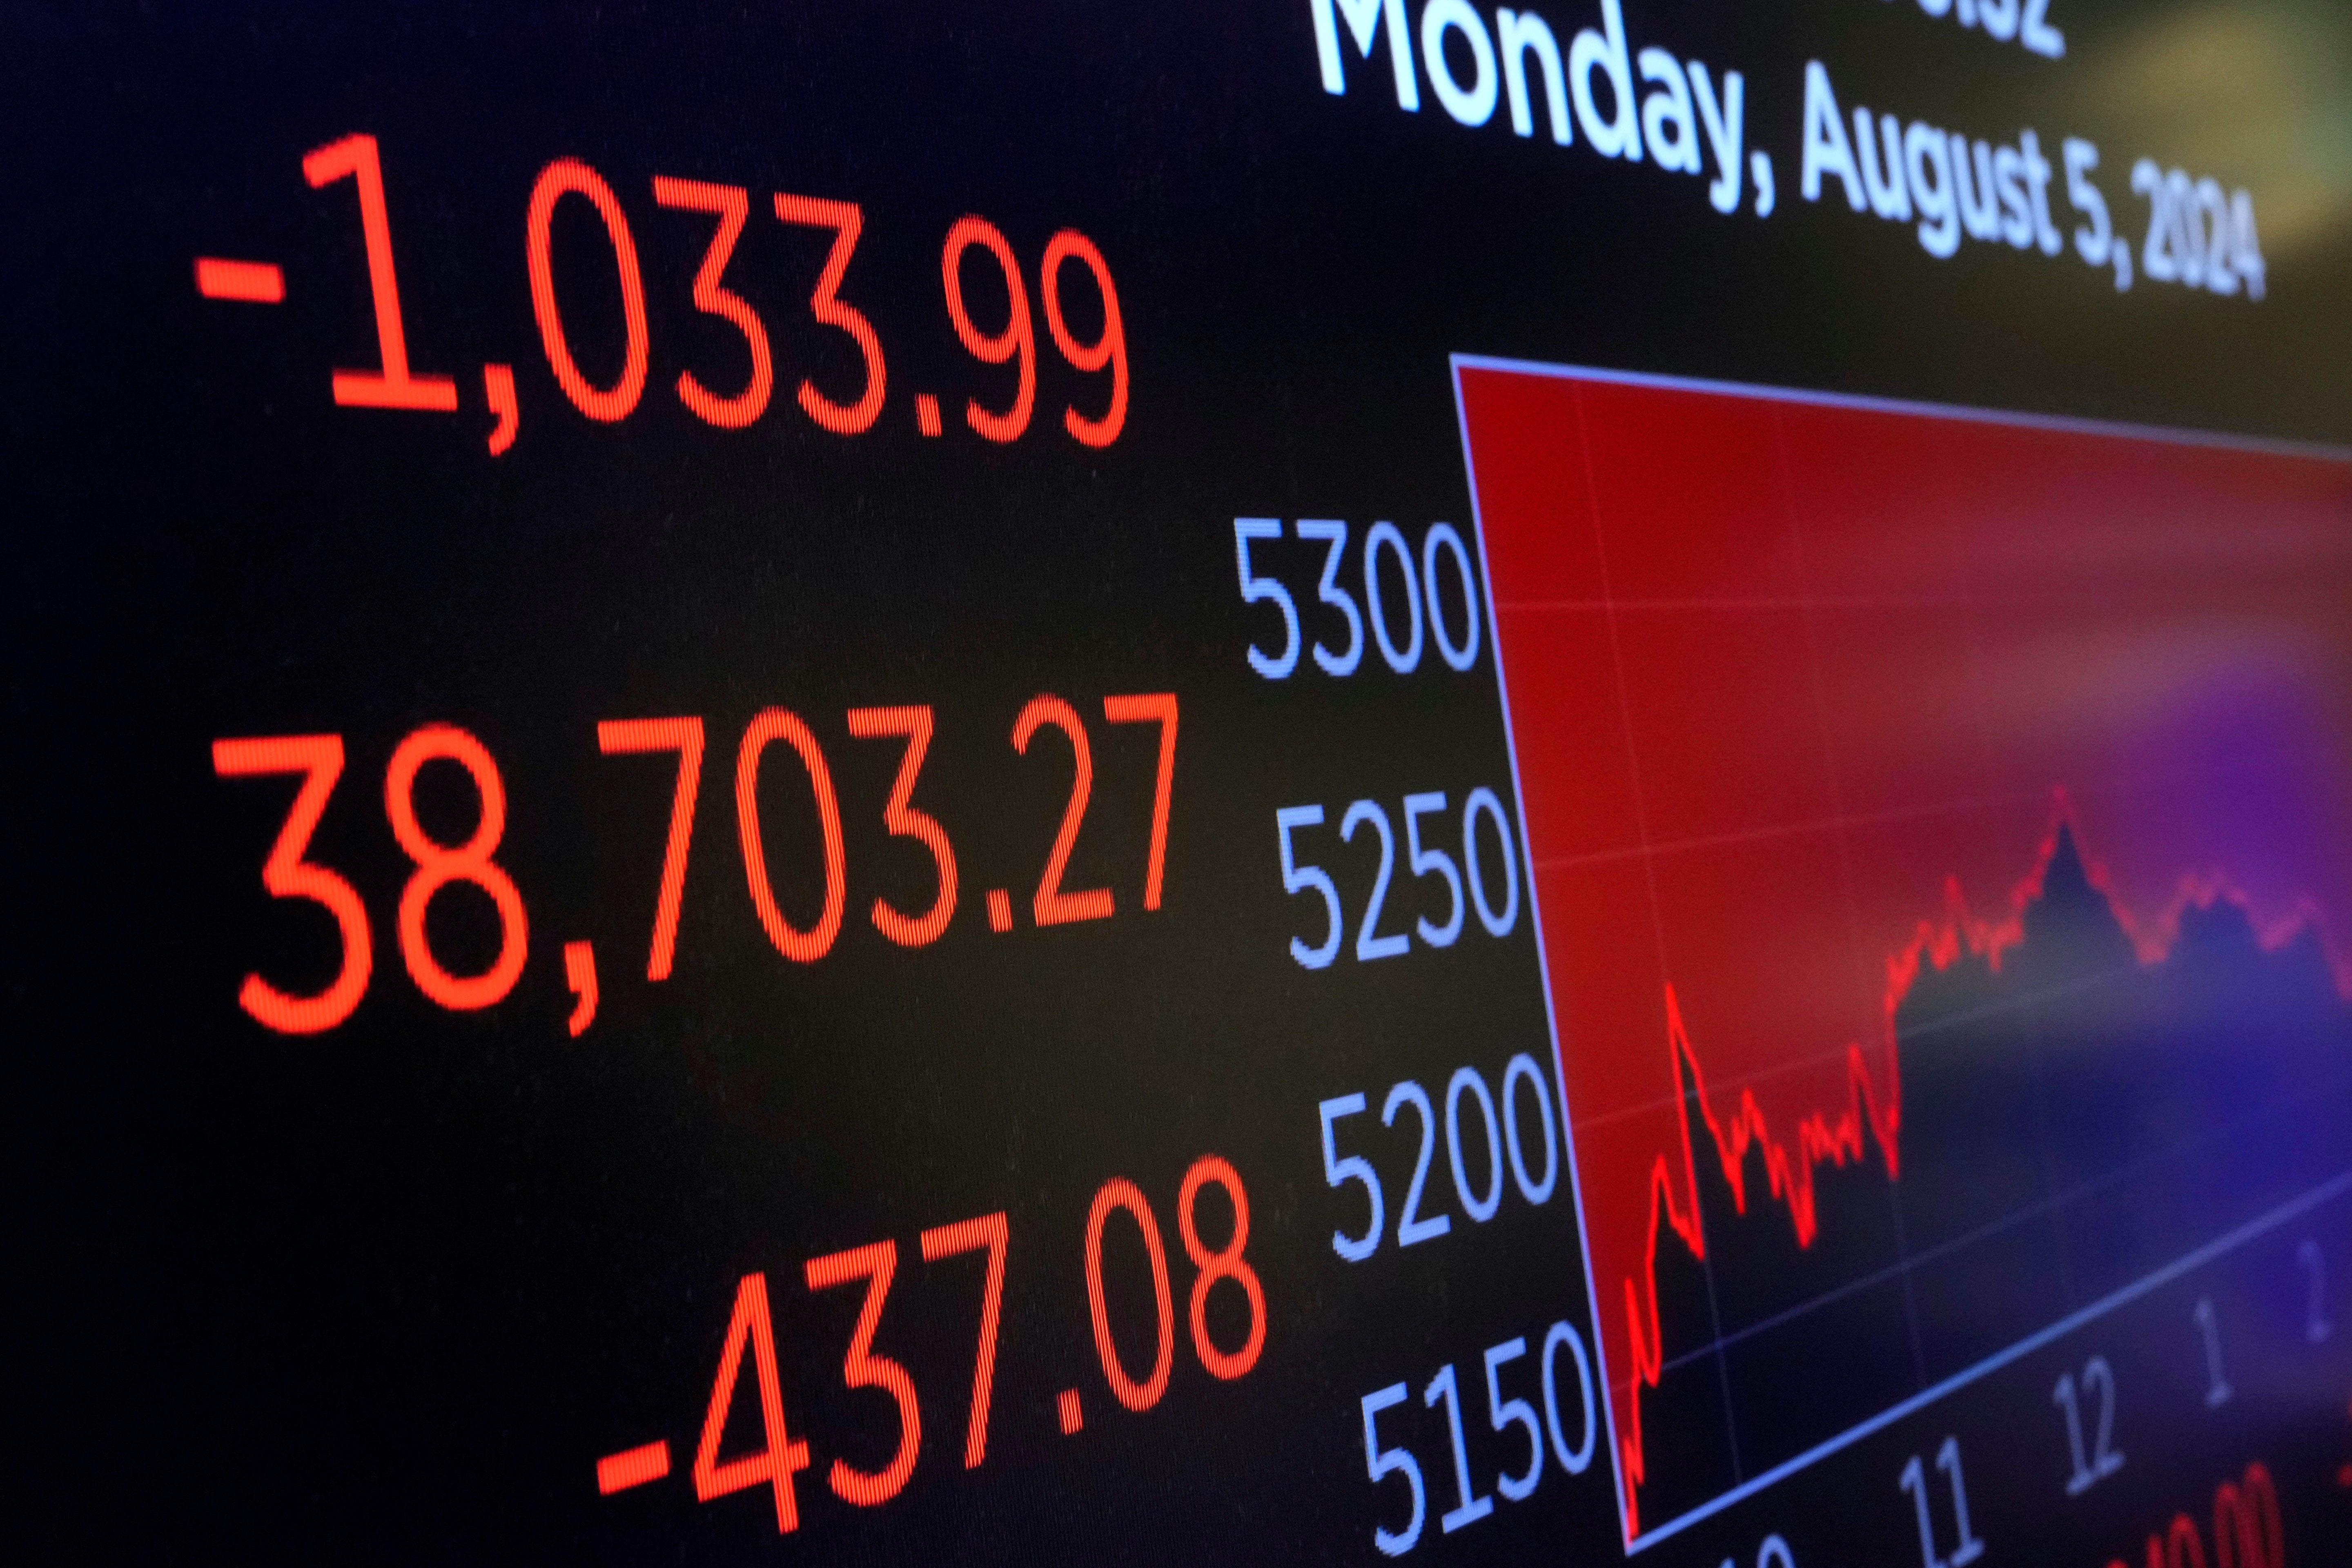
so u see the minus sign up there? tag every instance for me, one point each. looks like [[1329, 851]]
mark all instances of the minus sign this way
[[255, 282], [631, 1467]]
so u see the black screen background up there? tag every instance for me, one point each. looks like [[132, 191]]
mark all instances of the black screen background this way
[[388, 1292]]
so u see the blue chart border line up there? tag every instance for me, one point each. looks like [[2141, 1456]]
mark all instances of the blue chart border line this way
[[2334, 1187], [1543, 968], [2178, 435]]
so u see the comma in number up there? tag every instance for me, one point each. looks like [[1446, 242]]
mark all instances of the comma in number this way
[[498, 391], [580, 972]]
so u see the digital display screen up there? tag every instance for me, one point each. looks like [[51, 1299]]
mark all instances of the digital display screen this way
[[1306, 781]]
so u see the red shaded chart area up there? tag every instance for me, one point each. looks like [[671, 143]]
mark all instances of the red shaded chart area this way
[[1835, 723]]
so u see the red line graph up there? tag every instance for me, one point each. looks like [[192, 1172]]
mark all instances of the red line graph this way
[[1835, 1135], [1783, 675]]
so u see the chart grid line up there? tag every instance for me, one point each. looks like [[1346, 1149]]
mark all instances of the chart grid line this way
[[2334, 1188]]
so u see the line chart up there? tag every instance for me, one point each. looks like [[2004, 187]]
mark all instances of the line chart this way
[[1817, 707], [1872, 1114]]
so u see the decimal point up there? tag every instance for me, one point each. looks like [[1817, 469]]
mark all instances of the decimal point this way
[[999, 909], [1074, 1415], [927, 420]]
